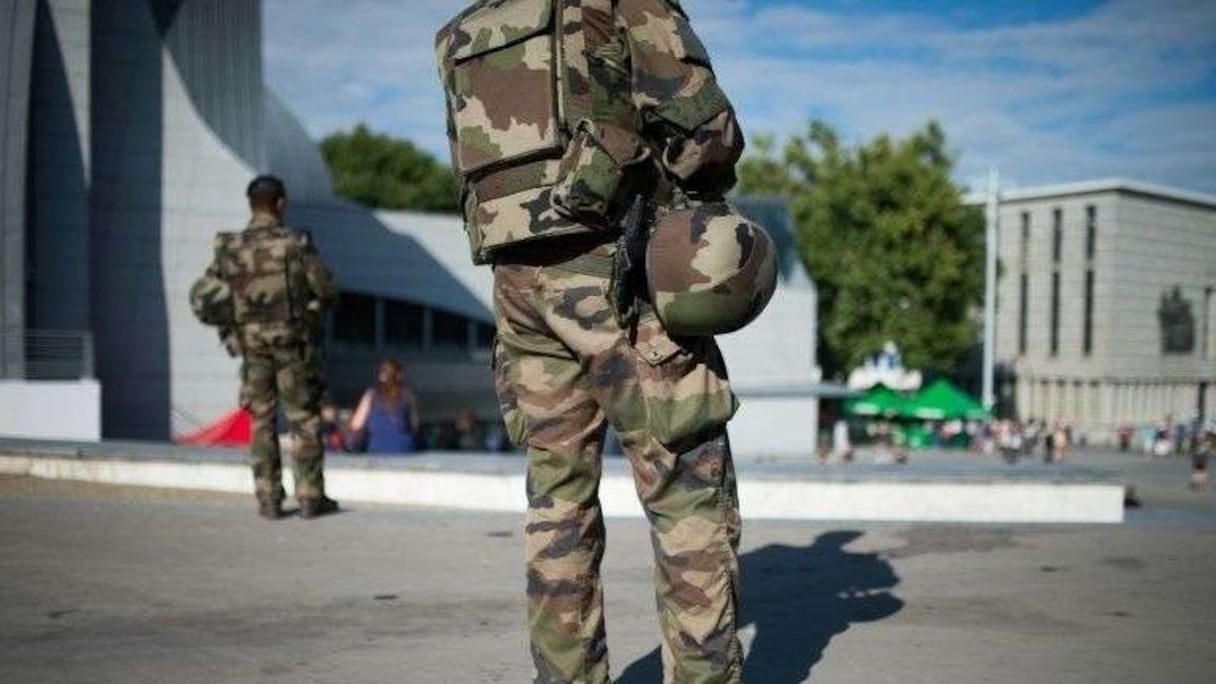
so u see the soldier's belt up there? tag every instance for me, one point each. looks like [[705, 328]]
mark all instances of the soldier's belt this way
[[592, 264], [589, 254]]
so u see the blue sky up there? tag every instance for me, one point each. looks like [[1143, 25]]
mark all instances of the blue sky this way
[[1046, 91]]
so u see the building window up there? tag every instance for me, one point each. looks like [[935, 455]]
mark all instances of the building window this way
[[449, 329], [1057, 248], [1091, 231], [404, 323], [355, 319], [1024, 285], [1209, 322], [1024, 255], [1023, 309], [1054, 344], [484, 335], [1087, 336], [1091, 241], [1057, 235]]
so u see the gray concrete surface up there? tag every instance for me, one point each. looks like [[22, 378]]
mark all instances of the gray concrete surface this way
[[108, 584]]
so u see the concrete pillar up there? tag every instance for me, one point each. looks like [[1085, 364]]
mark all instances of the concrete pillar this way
[[1022, 391], [1051, 394], [16, 62], [1125, 409]]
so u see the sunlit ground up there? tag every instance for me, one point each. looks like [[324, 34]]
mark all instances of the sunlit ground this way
[[103, 583]]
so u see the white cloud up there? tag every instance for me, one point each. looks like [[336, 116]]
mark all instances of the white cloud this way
[[1109, 93], [1046, 102], [370, 60]]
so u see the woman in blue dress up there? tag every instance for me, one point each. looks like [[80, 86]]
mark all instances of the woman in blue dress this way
[[388, 413]]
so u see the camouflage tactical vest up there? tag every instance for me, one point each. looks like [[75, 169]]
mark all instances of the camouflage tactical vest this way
[[541, 124], [261, 266]]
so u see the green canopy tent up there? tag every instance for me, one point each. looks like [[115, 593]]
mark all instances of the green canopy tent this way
[[879, 400], [942, 400]]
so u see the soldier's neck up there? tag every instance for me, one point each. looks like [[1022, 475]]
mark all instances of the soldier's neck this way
[[265, 218]]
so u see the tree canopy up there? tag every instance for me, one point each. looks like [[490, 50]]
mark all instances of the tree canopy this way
[[378, 170], [884, 233]]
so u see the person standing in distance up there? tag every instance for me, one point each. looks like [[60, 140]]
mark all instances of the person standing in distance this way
[[562, 116], [267, 290]]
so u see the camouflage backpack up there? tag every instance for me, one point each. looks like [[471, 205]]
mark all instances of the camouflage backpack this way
[[211, 301], [541, 121], [259, 265]]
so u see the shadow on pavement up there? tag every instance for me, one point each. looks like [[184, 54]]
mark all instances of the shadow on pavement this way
[[798, 599]]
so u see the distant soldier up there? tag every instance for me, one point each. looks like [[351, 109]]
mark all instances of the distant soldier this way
[[594, 147], [267, 291]]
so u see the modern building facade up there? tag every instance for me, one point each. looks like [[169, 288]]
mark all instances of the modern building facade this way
[[129, 131], [1105, 308]]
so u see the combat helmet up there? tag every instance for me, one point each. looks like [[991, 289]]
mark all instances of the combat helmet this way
[[710, 270]]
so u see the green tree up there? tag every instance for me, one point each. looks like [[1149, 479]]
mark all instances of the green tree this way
[[884, 233], [381, 171]]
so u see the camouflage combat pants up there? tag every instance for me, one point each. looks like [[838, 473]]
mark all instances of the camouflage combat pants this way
[[290, 373], [564, 368]]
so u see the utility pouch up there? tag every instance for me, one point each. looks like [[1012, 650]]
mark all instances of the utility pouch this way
[[591, 180], [502, 102]]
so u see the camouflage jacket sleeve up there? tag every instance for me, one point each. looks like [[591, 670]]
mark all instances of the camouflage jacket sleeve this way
[[203, 294], [685, 111], [443, 42], [202, 290]]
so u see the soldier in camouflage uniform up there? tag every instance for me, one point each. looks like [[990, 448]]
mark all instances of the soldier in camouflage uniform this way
[[279, 290], [560, 111]]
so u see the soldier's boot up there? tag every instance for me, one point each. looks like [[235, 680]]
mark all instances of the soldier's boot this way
[[270, 509], [316, 506]]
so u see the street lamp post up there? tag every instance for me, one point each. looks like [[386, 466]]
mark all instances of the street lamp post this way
[[991, 230], [1205, 353]]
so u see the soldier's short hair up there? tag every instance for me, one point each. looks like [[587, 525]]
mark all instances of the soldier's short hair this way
[[265, 191]]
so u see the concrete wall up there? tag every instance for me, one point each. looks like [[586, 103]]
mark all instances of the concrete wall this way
[[1036, 254], [1146, 245], [51, 410], [772, 363], [216, 47], [1159, 245], [60, 174], [440, 481], [178, 125], [205, 169], [775, 426], [129, 317], [16, 61], [292, 156], [777, 350]]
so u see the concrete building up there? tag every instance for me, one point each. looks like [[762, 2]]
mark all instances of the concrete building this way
[[1105, 312], [129, 130]]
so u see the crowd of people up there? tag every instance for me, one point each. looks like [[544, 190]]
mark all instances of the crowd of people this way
[[1012, 440], [1164, 438], [1017, 440], [388, 421]]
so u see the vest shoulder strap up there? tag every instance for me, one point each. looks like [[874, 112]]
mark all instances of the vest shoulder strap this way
[[584, 27]]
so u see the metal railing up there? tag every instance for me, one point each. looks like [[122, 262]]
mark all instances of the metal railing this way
[[183, 422], [46, 354]]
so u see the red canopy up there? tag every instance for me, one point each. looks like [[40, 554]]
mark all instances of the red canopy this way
[[234, 429]]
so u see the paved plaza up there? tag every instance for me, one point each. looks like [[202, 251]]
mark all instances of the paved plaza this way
[[115, 584]]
